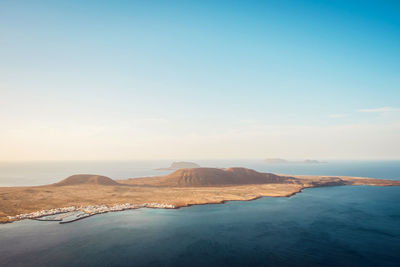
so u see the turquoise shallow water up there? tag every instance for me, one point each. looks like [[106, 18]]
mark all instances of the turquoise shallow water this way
[[333, 226]]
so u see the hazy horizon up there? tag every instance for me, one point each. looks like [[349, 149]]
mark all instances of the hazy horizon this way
[[187, 80], [196, 160]]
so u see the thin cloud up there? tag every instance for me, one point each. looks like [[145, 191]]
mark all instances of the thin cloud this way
[[379, 110]]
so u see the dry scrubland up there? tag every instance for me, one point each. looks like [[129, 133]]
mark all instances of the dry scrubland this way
[[182, 188]]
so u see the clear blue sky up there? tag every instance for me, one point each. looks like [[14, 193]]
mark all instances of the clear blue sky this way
[[199, 79]]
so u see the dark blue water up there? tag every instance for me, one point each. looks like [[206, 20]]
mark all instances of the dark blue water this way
[[335, 226], [346, 226]]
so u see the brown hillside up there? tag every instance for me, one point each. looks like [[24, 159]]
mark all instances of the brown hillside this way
[[212, 177], [87, 179]]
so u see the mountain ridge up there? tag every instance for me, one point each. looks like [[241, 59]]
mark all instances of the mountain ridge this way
[[192, 177]]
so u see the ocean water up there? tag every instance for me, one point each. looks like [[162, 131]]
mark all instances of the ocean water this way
[[332, 226]]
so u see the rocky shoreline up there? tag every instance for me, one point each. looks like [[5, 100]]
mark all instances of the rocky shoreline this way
[[88, 211], [77, 213], [87, 195], [63, 215]]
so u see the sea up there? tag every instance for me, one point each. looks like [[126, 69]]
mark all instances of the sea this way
[[328, 226]]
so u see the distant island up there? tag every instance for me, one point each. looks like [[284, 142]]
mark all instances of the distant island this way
[[283, 161], [83, 195], [180, 165]]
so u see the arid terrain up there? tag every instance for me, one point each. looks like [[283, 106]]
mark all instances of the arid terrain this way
[[182, 188]]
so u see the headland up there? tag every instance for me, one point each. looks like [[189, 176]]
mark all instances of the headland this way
[[84, 195]]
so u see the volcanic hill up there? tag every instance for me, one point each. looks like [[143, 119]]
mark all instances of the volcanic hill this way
[[80, 179], [212, 177]]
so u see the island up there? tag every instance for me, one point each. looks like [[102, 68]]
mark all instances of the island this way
[[180, 165], [284, 161], [84, 195]]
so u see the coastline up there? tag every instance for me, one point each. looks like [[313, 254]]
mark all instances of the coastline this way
[[81, 196], [127, 206], [87, 211]]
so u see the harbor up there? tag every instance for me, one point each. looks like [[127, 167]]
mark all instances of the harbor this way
[[72, 213]]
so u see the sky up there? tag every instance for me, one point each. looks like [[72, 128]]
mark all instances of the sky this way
[[186, 80]]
